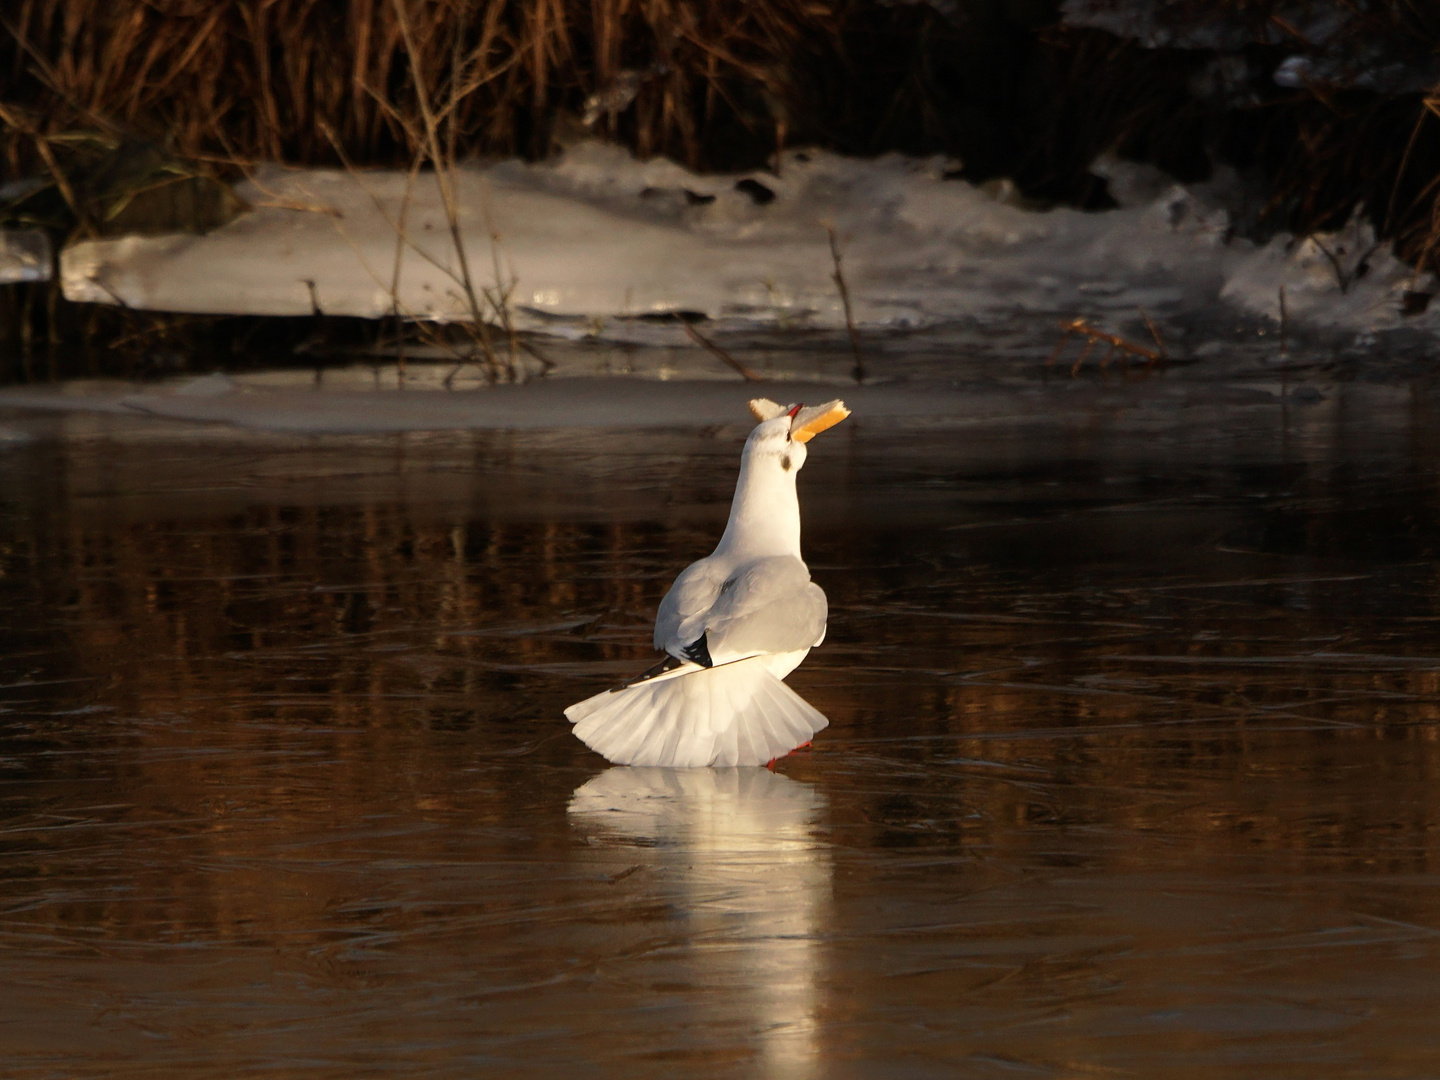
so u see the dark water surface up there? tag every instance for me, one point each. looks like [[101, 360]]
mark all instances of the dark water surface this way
[[1134, 765]]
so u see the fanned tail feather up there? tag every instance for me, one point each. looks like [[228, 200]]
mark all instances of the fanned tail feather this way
[[734, 714]]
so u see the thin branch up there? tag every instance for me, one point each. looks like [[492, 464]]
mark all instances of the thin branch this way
[[42, 144], [1284, 325], [1094, 336], [839, 278], [444, 175], [1154, 332], [715, 350], [53, 82]]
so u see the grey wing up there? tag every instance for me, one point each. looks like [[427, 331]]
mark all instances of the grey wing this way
[[681, 618], [767, 606]]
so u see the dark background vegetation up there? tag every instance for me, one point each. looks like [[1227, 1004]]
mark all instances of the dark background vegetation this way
[[104, 99]]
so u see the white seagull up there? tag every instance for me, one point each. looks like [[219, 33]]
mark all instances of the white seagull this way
[[732, 626]]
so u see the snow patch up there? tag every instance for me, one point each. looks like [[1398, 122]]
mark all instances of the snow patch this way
[[1342, 279], [24, 256], [213, 385], [596, 244]]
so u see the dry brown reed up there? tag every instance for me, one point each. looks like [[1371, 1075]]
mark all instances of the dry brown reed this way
[[719, 82], [1116, 345], [263, 79]]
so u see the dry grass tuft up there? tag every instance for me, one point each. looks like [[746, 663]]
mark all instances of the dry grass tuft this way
[[724, 83], [263, 80]]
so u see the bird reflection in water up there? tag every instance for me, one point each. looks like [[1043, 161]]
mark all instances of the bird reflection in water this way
[[734, 854]]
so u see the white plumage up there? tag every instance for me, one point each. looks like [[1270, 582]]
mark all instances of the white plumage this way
[[732, 627]]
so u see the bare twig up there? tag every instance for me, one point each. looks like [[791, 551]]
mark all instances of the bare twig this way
[[546, 363], [42, 144], [1342, 278], [715, 350], [48, 75], [404, 239], [499, 299], [1427, 106], [1118, 345], [402, 313], [397, 224], [273, 199], [504, 288], [1154, 331], [445, 179], [1284, 325], [858, 373], [395, 270]]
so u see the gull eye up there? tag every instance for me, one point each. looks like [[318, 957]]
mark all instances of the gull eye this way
[[785, 463]]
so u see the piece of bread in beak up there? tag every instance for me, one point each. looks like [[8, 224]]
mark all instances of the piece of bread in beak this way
[[806, 422], [813, 419]]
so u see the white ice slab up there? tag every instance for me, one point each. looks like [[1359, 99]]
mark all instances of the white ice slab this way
[[25, 255], [591, 241]]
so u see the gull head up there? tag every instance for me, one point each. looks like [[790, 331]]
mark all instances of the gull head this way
[[783, 430]]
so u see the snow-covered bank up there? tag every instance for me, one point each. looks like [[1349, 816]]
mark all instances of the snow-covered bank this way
[[595, 242]]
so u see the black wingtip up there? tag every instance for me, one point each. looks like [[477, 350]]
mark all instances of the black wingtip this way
[[670, 663], [698, 651]]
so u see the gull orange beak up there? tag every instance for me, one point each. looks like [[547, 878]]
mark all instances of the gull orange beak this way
[[811, 420]]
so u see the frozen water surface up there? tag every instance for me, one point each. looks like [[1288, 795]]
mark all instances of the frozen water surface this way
[[1134, 765]]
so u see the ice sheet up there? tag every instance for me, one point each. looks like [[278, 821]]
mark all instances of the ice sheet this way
[[592, 243], [286, 402]]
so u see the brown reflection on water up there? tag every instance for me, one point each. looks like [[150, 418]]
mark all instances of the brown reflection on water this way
[[1133, 765]]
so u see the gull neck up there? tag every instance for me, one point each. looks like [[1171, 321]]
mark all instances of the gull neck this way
[[765, 513]]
